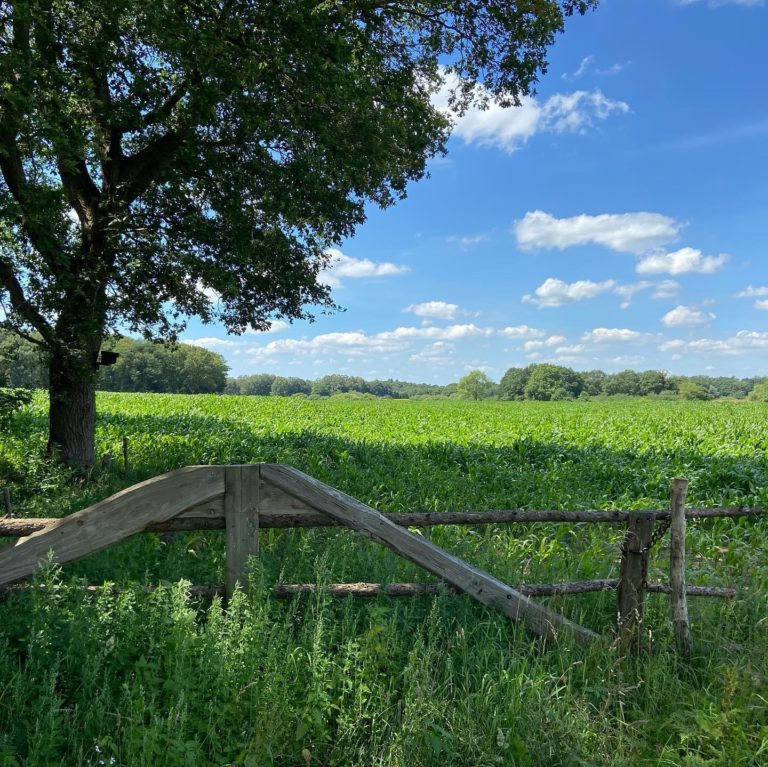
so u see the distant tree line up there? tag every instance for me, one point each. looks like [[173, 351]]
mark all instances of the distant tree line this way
[[267, 384], [143, 366], [555, 382]]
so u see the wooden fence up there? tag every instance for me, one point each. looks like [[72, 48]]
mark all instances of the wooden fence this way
[[241, 499]]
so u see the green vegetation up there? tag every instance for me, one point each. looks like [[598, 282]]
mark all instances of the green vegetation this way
[[141, 367], [136, 678], [159, 163], [185, 369], [475, 385]]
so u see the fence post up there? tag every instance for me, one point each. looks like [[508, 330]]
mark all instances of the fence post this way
[[679, 601], [632, 576], [241, 515], [7, 502]]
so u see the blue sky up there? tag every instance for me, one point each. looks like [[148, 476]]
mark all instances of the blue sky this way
[[617, 220]]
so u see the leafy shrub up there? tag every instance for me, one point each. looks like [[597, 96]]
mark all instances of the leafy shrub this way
[[12, 400]]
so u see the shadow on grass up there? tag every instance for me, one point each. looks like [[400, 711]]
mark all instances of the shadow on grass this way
[[431, 476]]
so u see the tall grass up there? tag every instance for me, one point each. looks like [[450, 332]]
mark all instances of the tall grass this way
[[139, 677]]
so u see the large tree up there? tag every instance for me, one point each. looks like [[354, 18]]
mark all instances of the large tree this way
[[197, 157]]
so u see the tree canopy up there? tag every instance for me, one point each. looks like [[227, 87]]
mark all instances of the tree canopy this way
[[160, 160], [475, 385]]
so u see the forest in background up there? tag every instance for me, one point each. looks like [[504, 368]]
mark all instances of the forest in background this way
[[144, 366]]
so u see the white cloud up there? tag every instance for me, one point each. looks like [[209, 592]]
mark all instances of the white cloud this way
[[213, 343], [744, 342], [627, 359], [614, 69], [438, 353], [448, 333], [212, 295], [520, 331], [751, 292], [438, 310], [628, 292], [666, 289], [568, 351], [587, 66], [583, 68], [663, 289], [683, 261], [343, 266], [358, 344], [761, 304], [612, 335], [553, 292], [276, 326], [686, 316], [467, 240], [509, 128], [530, 346], [622, 232]]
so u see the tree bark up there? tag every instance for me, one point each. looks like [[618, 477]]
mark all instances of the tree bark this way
[[72, 415]]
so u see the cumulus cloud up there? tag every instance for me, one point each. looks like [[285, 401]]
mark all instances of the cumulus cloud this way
[[744, 342], [666, 289], [628, 292], [761, 304], [276, 326], [570, 351], [438, 353], [553, 292], [751, 292], [358, 344], [530, 346], [509, 128], [683, 261], [622, 232], [612, 335], [210, 342], [448, 333], [520, 331], [343, 266], [438, 310], [686, 316]]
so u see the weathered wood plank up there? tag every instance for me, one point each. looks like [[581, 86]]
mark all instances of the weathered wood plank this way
[[630, 595], [241, 514], [276, 502], [112, 520], [369, 522], [211, 515], [680, 624]]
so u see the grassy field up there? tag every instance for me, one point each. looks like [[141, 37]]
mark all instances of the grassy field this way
[[138, 678]]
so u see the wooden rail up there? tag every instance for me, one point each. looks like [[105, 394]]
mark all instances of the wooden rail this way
[[210, 516], [243, 499]]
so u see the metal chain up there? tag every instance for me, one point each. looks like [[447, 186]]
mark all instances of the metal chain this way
[[658, 533]]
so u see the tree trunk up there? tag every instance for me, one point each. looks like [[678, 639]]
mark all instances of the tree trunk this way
[[72, 395]]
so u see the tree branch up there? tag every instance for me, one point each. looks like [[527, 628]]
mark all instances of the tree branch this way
[[21, 304], [144, 167]]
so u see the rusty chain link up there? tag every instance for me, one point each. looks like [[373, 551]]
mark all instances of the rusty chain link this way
[[658, 533]]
